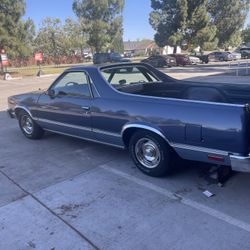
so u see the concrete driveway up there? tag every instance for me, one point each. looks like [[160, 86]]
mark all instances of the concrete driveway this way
[[64, 193]]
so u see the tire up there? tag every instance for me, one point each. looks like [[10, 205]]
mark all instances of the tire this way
[[28, 126], [142, 145]]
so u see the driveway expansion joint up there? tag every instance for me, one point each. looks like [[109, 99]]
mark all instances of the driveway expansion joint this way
[[51, 211], [185, 201]]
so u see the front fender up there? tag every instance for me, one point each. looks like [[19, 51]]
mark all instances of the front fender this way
[[19, 108]]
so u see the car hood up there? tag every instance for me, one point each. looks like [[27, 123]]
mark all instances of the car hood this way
[[21, 97]]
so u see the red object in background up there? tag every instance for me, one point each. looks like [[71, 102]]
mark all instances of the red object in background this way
[[5, 63], [39, 57], [4, 60]]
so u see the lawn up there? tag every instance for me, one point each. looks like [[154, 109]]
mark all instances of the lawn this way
[[48, 69]]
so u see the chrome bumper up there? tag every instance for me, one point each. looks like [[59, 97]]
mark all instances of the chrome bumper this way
[[11, 113], [240, 163]]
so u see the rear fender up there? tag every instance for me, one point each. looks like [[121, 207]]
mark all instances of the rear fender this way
[[129, 128]]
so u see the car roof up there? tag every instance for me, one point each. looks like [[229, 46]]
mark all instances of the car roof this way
[[178, 54], [102, 66]]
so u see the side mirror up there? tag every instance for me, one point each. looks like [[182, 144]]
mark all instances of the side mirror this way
[[51, 93]]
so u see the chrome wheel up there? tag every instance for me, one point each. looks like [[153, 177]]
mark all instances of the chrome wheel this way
[[27, 124], [147, 153]]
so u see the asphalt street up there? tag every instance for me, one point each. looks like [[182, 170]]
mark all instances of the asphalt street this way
[[65, 193]]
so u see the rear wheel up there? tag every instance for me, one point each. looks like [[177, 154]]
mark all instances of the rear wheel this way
[[150, 153], [29, 128]]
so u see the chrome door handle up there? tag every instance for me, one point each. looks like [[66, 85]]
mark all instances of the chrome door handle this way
[[87, 108]]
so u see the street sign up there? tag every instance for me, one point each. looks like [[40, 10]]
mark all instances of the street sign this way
[[39, 57], [4, 59]]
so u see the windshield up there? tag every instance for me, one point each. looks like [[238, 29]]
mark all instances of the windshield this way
[[116, 55]]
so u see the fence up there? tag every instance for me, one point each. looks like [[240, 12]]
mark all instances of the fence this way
[[240, 68]]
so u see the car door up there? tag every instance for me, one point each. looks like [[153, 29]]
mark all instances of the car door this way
[[211, 57], [218, 56], [153, 61], [160, 61], [109, 115], [66, 106]]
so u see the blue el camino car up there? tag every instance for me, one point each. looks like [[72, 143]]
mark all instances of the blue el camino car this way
[[135, 106]]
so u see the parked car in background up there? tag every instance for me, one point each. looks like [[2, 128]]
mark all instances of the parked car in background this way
[[100, 58], [128, 54], [160, 61], [236, 55], [181, 59], [201, 56], [218, 56], [245, 53], [194, 60], [87, 56]]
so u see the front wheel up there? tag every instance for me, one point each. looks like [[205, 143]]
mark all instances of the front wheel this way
[[150, 153], [29, 128]]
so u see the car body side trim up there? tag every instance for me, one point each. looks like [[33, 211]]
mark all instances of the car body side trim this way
[[99, 131], [64, 124], [199, 149], [84, 138], [177, 145]]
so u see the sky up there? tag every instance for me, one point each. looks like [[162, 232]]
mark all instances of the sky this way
[[136, 14]]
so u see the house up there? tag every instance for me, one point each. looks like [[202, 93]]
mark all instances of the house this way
[[170, 50], [145, 48], [138, 48]]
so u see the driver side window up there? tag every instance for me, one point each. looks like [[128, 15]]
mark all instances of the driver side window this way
[[73, 84]]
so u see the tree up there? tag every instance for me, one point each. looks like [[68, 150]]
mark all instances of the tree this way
[[229, 17], [16, 35], [11, 12], [169, 19], [246, 34], [182, 21], [50, 38], [24, 46], [116, 32], [75, 36], [100, 18], [199, 30]]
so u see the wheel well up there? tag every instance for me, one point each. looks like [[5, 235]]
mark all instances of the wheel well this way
[[20, 109], [17, 111], [130, 131], [127, 135]]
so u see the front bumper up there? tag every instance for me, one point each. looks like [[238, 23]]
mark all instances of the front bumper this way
[[11, 113], [240, 163]]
